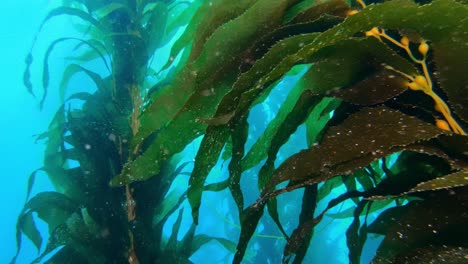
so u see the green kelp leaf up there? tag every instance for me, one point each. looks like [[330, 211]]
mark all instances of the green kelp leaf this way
[[27, 225], [328, 187], [59, 236], [200, 240], [148, 6], [299, 248], [164, 104], [185, 127], [263, 44], [260, 148], [177, 20], [299, 113], [64, 10], [171, 170], [309, 10], [363, 64], [272, 207], [368, 135], [261, 17], [409, 170], [155, 28], [165, 81], [31, 180], [227, 150], [435, 221], [68, 181], [91, 224], [296, 9], [365, 178], [299, 236], [172, 242], [52, 207], [216, 187], [239, 135], [55, 133], [186, 244], [295, 118], [208, 18], [378, 88], [168, 205], [96, 50], [45, 72], [305, 103], [220, 14], [207, 156], [356, 235], [372, 16], [361, 72], [350, 184], [75, 234], [73, 69], [319, 118], [249, 221], [349, 212], [246, 81], [453, 180]]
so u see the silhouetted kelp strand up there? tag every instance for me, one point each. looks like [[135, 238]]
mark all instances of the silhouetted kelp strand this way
[[63, 10], [27, 74], [450, 181]]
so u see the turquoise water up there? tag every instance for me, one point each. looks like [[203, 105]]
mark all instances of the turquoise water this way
[[20, 119]]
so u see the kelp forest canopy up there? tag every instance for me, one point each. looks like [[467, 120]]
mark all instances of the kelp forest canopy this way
[[254, 127]]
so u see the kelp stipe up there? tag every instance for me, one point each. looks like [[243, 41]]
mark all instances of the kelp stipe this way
[[358, 100]]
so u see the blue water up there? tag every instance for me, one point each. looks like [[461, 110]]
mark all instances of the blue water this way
[[20, 154], [20, 118]]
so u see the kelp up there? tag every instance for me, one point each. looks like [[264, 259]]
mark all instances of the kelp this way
[[356, 139], [422, 233], [372, 137]]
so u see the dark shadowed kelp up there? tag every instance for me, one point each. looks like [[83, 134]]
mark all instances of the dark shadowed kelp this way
[[381, 82]]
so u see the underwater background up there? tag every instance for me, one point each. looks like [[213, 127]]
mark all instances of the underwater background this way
[[258, 131]]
